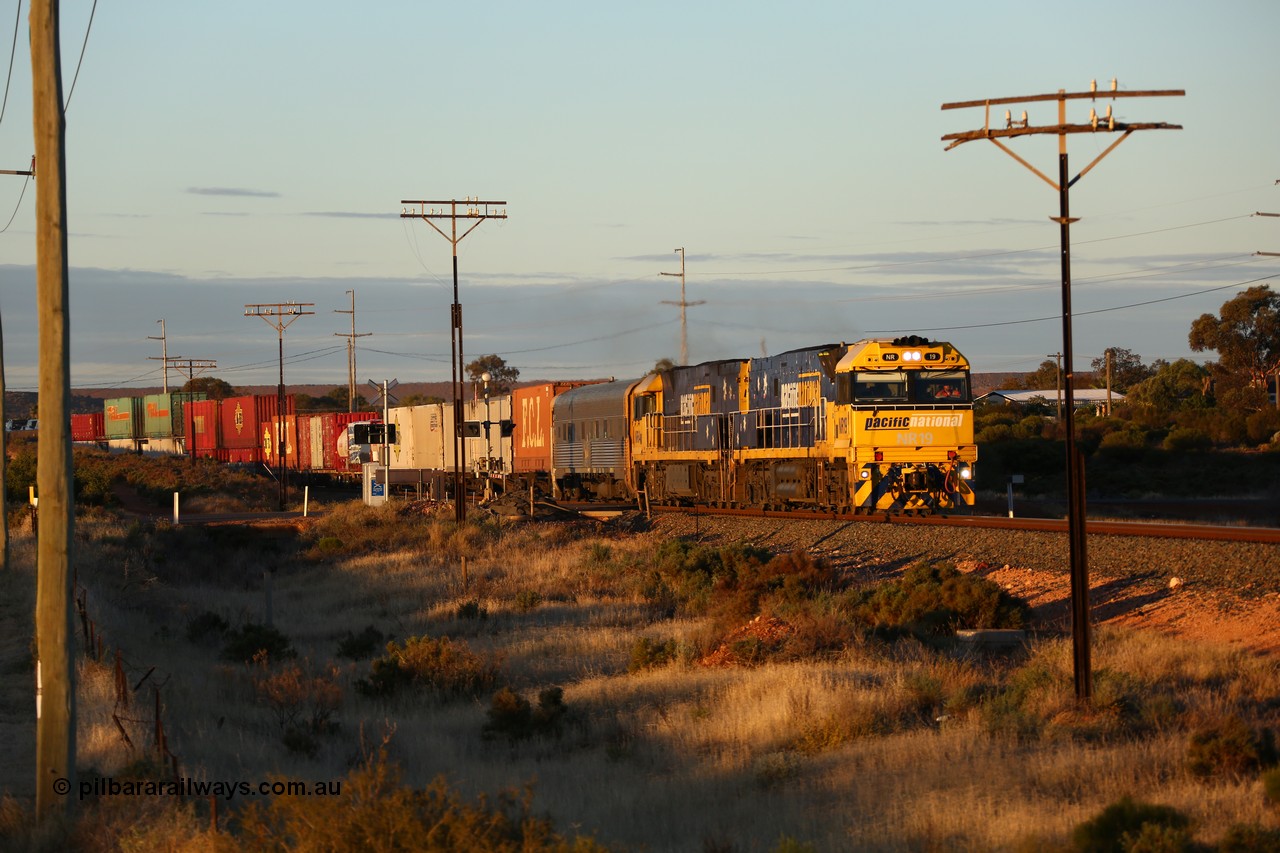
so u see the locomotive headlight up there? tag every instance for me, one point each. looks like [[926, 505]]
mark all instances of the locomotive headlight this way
[[865, 474], [965, 472]]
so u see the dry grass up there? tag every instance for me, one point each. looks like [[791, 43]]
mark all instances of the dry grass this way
[[879, 745]]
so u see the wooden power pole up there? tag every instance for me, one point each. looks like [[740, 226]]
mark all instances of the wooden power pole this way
[[1075, 459], [55, 668], [683, 303], [351, 351], [279, 316]]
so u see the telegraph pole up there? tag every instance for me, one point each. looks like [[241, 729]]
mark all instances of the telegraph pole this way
[[1075, 459], [1275, 372], [683, 303], [479, 211], [55, 667], [194, 366], [1057, 384], [164, 355], [275, 314], [351, 351]]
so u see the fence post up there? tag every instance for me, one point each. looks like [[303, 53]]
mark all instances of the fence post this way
[[175, 508], [266, 588], [306, 498]]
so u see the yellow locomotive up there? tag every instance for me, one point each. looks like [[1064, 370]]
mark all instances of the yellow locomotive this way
[[873, 426]]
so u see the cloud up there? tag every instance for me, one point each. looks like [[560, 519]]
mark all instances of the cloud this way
[[351, 214], [237, 192]]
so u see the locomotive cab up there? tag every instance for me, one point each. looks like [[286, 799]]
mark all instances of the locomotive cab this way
[[908, 416]]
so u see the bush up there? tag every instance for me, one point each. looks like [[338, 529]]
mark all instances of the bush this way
[[511, 715], [303, 704], [651, 654], [1124, 823], [528, 599], [207, 624], [939, 599], [1249, 838], [472, 610], [1229, 748], [254, 640], [374, 809], [1271, 785], [1183, 439], [362, 645], [447, 668]]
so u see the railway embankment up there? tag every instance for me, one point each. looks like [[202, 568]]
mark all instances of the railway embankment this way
[[1215, 591]]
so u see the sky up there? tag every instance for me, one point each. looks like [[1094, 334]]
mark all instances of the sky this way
[[236, 153]]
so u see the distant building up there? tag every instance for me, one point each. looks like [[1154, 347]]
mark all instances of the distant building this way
[[1081, 396]]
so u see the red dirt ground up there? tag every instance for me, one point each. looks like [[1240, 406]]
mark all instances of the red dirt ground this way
[[1176, 609]]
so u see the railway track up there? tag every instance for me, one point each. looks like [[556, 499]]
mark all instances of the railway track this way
[[1170, 530]]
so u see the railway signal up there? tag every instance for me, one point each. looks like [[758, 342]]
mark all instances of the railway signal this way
[[1075, 460]]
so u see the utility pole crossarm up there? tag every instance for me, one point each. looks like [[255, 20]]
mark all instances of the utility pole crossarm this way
[[1021, 127], [30, 173], [1067, 96], [476, 209], [1001, 133]]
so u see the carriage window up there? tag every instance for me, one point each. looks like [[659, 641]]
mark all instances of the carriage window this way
[[940, 386], [882, 386], [844, 389]]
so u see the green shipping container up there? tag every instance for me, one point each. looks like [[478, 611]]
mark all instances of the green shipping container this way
[[122, 417], [162, 413]]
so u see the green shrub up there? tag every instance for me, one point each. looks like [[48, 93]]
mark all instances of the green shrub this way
[[362, 645], [939, 599], [1183, 439], [1249, 838], [647, 653], [1271, 785], [528, 599], [1123, 823], [512, 716], [253, 640], [374, 809], [472, 610], [329, 545], [445, 667], [1229, 748], [1156, 838], [206, 625], [1013, 710]]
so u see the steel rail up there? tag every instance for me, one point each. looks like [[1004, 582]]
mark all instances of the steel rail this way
[[1171, 530]]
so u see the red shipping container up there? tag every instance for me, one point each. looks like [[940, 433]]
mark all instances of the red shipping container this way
[[242, 455], [251, 423], [88, 427], [531, 413], [202, 424], [300, 459]]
